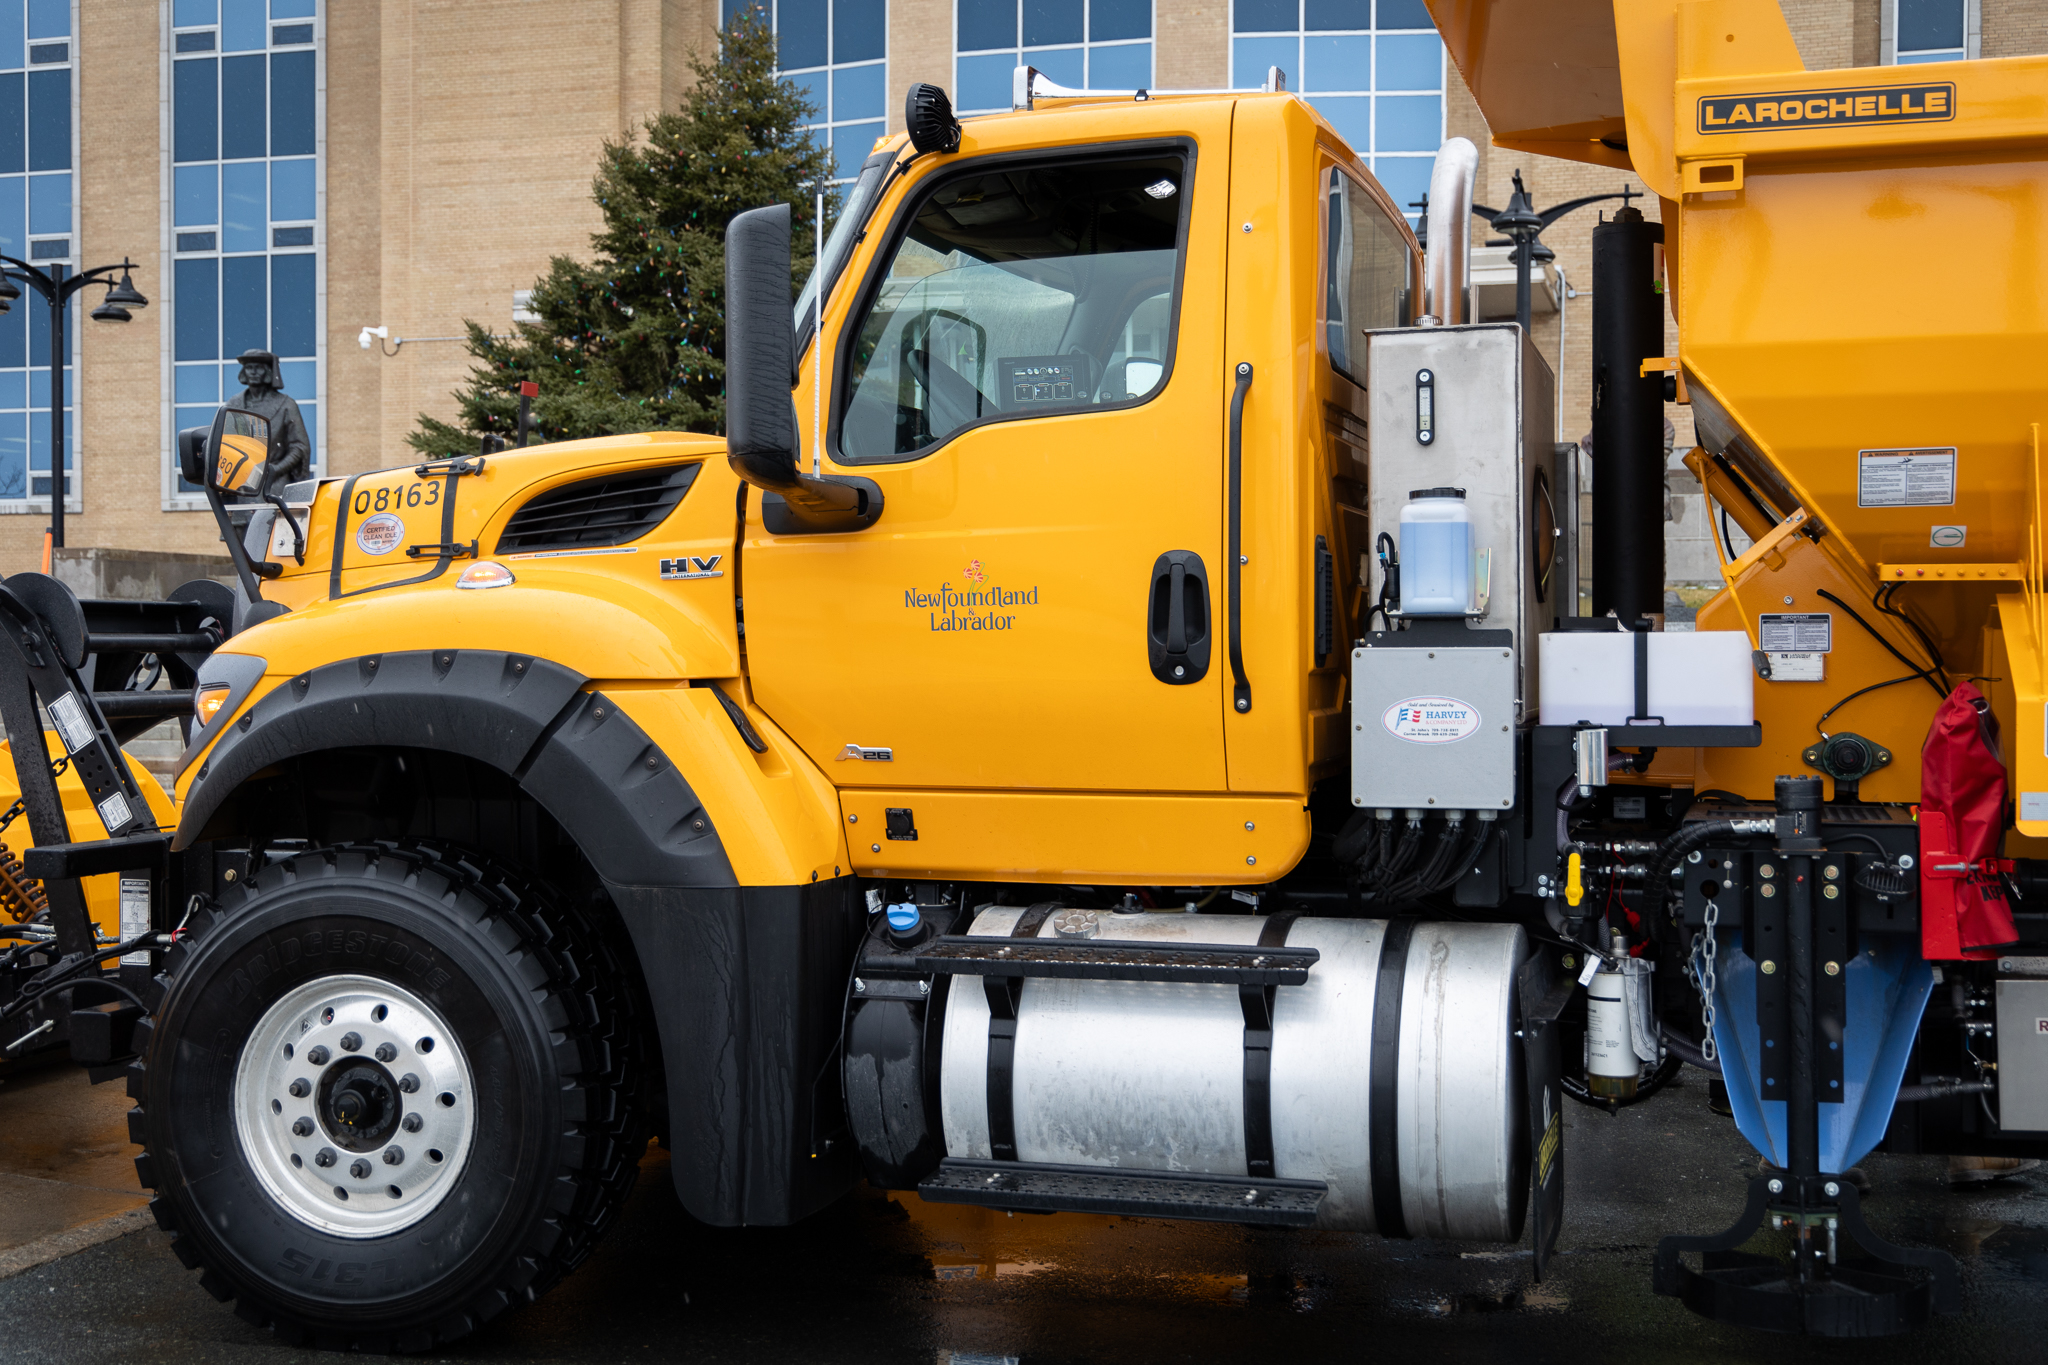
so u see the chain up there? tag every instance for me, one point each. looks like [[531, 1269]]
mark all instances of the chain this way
[[1707, 950]]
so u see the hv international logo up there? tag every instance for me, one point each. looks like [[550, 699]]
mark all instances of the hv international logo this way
[[978, 605]]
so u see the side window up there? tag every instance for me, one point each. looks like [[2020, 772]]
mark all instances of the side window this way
[[1015, 293], [1365, 272]]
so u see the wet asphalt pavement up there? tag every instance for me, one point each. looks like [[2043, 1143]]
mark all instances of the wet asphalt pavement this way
[[887, 1279]]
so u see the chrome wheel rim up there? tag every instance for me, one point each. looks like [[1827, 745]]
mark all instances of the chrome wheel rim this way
[[354, 1105]]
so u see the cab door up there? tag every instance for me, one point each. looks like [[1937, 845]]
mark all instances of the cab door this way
[[1027, 367]]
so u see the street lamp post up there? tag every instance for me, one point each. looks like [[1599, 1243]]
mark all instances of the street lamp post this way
[[57, 287]]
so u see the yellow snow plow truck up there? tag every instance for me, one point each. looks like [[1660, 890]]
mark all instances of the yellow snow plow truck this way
[[1109, 729]]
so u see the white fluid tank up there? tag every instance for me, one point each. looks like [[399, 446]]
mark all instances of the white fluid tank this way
[[1436, 553], [1150, 1075]]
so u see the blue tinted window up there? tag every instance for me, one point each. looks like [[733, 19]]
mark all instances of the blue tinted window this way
[[1125, 67], [291, 191], [857, 93], [816, 86], [189, 13], [244, 304], [1265, 16], [193, 110], [987, 23], [13, 389], [49, 120], [1062, 65], [800, 33], [851, 146], [291, 306], [291, 104], [196, 284], [1350, 115], [244, 221], [1053, 21], [195, 196], [1324, 14], [11, 48], [197, 384], [1336, 63], [1409, 123], [1250, 57], [49, 204], [301, 379], [13, 454], [244, 27], [1404, 14], [243, 109], [14, 216], [49, 18], [1406, 179], [1930, 23], [13, 139], [14, 340], [1109, 20], [984, 82], [195, 42], [1410, 61], [859, 28], [291, 9]]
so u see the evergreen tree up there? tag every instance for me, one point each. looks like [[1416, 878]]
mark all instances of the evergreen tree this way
[[635, 340]]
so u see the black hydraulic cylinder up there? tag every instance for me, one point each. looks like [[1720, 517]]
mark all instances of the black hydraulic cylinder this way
[[1628, 419]]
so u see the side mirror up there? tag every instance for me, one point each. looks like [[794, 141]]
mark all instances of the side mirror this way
[[760, 349], [760, 372], [192, 455], [237, 451]]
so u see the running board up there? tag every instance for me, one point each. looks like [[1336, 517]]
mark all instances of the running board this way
[[1042, 1188]]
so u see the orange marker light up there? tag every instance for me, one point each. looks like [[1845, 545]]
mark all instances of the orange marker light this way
[[206, 705], [485, 574]]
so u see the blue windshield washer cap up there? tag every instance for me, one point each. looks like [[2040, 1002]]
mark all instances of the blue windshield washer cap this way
[[904, 918]]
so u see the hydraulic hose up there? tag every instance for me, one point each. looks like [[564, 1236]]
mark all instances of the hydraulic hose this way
[[1687, 1051], [1657, 874]]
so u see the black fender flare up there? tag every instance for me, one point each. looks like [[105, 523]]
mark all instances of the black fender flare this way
[[747, 983], [576, 753]]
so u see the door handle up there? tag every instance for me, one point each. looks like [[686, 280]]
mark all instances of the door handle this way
[[1241, 687], [1177, 618]]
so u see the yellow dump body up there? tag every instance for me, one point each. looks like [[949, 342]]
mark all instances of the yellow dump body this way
[[1855, 261]]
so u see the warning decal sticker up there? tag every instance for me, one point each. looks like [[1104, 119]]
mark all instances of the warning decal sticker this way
[[1804, 632], [1924, 477]]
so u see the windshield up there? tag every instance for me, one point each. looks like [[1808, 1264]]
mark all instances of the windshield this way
[[1017, 293], [860, 201]]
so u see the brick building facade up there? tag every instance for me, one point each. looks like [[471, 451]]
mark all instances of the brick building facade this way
[[289, 172]]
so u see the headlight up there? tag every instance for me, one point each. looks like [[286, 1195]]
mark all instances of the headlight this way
[[208, 700]]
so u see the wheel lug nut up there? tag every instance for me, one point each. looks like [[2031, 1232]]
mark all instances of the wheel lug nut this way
[[324, 1157], [300, 1088], [408, 1083], [318, 1056], [413, 1123], [394, 1155], [386, 1053], [351, 1042], [302, 1128], [359, 1168]]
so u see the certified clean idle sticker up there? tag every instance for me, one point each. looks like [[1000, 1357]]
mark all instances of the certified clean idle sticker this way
[[1923, 477], [1431, 720], [379, 535]]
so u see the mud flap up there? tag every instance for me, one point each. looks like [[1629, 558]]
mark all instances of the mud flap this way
[[1541, 993]]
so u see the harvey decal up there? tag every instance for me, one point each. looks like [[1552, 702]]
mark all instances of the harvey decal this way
[[1431, 720]]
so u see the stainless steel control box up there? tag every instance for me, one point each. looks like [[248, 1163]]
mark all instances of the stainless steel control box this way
[[1433, 725], [2023, 1056]]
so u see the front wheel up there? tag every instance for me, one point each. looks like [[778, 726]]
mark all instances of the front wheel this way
[[389, 1092]]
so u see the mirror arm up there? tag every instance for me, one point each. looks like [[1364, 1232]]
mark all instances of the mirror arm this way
[[246, 569], [298, 534]]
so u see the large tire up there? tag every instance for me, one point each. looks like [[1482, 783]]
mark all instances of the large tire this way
[[516, 1116]]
